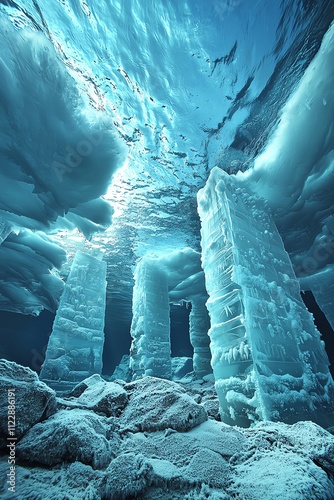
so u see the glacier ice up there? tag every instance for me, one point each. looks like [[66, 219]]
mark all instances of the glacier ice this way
[[75, 345], [27, 283], [322, 286], [294, 172], [267, 357], [170, 278], [57, 157], [150, 352], [51, 140], [199, 323]]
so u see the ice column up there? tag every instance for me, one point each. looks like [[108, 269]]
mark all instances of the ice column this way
[[150, 352], [199, 326], [75, 346], [267, 357]]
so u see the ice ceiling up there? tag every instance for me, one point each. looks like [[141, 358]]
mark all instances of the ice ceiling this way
[[154, 94]]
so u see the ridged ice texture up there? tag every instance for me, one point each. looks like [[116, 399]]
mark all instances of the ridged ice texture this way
[[199, 323], [268, 360], [5, 229], [150, 353], [75, 346], [322, 287]]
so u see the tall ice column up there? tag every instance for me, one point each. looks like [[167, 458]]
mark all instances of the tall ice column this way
[[150, 352], [267, 357], [199, 326], [75, 346]]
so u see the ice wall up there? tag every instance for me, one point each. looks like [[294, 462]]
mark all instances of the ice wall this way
[[150, 352], [295, 171], [27, 281], [268, 360], [322, 287], [199, 327], [75, 346]]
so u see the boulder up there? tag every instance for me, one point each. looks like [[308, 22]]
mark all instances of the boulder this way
[[94, 393], [27, 398], [67, 436], [157, 404], [128, 476]]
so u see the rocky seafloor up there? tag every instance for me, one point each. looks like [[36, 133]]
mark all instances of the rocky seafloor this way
[[150, 439]]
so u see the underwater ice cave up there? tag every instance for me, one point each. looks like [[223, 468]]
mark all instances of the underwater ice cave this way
[[167, 249]]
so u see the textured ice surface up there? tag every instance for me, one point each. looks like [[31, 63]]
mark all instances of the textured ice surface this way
[[75, 346], [172, 277], [150, 352], [199, 327], [298, 182], [51, 139], [27, 284], [5, 229], [57, 157], [267, 356]]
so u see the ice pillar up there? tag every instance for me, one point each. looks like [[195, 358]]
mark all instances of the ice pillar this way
[[199, 326], [75, 346], [150, 352], [267, 357]]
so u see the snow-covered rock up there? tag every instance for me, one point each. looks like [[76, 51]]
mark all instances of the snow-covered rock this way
[[151, 450], [156, 404], [96, 394], [22, 392], [128, 476], [75, 481], [68, 436]]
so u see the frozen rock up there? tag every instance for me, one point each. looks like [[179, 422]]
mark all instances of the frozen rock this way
[[68, 436], [104, 397], [208, 467], [33, 400], [87, 382], [128, 476], [75, 481], [156, 404]]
